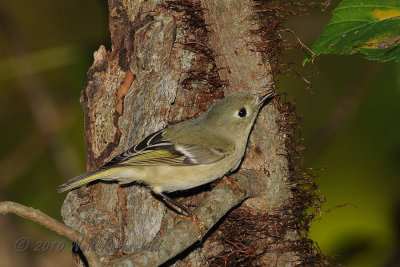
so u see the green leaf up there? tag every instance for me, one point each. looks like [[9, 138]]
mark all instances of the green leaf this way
[[371, 27]]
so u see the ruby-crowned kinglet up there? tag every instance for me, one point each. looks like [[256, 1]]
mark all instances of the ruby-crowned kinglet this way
[[187, 154]]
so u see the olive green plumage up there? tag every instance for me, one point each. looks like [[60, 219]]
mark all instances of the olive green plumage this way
[[188, 154]]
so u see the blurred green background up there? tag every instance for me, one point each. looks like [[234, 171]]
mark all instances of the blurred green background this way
[[351, 126]]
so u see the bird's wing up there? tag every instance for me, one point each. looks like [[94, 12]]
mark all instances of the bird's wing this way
[[156, 150]]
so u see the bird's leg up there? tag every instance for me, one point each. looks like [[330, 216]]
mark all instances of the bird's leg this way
[[230, 181], [176, 204], [189, 214]]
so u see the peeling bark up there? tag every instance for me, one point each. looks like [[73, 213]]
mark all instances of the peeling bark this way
[[170, 60]]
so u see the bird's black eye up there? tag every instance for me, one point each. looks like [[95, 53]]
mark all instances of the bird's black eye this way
[[242, 112]]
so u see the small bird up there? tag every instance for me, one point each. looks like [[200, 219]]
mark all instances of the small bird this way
[[188, 154]]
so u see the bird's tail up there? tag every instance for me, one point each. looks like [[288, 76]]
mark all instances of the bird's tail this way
[[85, 179]]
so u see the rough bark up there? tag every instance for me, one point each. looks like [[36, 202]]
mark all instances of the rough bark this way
[[169, 61]]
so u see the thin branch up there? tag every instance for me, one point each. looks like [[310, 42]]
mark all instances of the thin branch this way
[[50, 223]]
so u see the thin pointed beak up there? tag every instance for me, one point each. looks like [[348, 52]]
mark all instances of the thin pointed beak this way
[[266, 98]]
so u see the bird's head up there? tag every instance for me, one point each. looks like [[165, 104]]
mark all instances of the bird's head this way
[[235, 114]]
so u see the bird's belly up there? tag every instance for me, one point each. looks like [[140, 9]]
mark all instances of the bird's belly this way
[[174, 178], [164, 178]]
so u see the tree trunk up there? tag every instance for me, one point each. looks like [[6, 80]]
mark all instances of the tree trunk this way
[[170, 60]]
